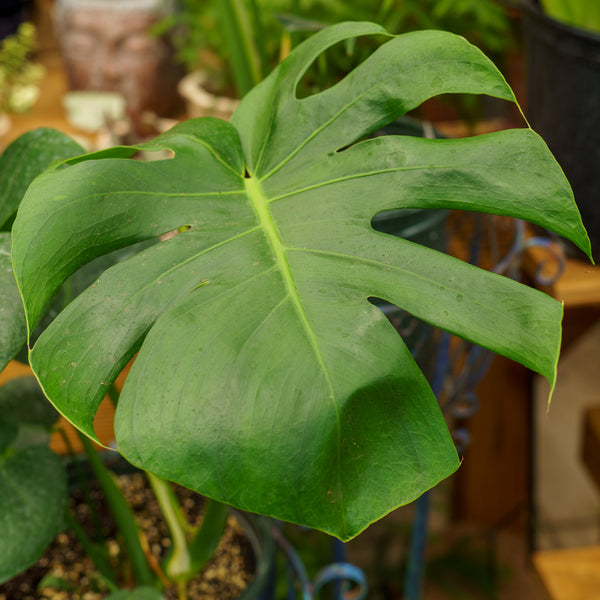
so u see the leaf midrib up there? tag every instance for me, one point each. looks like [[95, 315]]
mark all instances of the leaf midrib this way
[[260, 204]]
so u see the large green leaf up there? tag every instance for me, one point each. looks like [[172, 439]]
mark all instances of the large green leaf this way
[[33, 498], [265, 378]]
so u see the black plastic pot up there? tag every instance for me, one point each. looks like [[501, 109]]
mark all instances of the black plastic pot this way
[[563, 104]]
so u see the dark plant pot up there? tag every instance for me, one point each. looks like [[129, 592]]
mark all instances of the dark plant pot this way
[[258, 531], [563, 104]]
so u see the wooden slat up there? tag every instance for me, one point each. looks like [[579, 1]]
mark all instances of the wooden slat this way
[[591, 443], [572, 574], [579, 284], [492, 485]]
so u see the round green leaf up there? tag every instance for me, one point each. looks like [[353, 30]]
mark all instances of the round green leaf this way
[[13, 329], [24, 159], [23, 398], [20, 163], [9, 430], [33, 495]]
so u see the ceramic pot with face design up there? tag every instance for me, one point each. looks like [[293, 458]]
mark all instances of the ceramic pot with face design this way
[[107, 46]]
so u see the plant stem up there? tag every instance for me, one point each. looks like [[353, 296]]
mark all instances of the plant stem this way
[[240, 29], [207, 538], [179, 563], [181, 590], [123, 515], [188, 558]]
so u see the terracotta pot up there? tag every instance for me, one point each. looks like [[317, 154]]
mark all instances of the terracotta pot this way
[[107, 46]]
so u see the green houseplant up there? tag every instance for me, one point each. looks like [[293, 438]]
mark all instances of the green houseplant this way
[[246, 39], [264, 377], [233, 33], [579, 13]]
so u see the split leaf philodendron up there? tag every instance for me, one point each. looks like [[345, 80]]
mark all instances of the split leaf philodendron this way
[[264, 377]]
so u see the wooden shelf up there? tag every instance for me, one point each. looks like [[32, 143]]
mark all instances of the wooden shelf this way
[[578, 285], [572, 574]]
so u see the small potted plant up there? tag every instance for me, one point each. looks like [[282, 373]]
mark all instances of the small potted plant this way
[[264, 377], [19, 77]]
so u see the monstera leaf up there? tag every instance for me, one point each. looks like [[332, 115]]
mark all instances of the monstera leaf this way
[[265, 377]]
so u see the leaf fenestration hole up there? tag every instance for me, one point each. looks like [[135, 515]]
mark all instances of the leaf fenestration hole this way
[[420, 337], [331, 66], [154, 155], [426, 226], [170, 234]]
